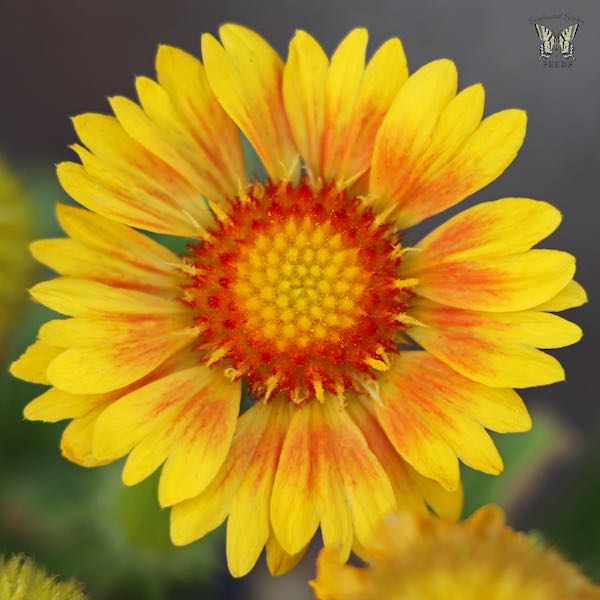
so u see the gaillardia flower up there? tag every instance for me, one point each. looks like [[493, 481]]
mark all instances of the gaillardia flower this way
[[417, 557], [15, 260], [297, 289]]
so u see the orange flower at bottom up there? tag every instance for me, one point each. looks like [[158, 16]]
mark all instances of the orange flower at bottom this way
[[419, 557]]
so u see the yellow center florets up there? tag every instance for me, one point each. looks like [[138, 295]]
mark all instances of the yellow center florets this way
[[298, 283]]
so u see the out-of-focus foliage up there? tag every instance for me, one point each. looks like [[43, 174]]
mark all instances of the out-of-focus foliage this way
[[16, 221], [526, 457], [573, 522]]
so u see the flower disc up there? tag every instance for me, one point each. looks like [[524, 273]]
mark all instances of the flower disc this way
[[298, 290]]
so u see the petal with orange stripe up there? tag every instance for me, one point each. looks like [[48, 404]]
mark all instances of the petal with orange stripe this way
[[429, 159], [412, 490], [496, 349], [304, 81], [488, 230], [406, 131], [405, 488], [446, 179], [341, 484], [249, 523], [196, 409], [205, 421], [215, 137], [498, 284], [194, 518], [113, 354], [294, 505], [344, 79], [384, 75], [121, 179], [111, 253], [245, 74], [77, 297], [412, 432]]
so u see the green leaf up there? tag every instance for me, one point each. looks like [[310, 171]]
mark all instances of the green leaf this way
[[525, 455]]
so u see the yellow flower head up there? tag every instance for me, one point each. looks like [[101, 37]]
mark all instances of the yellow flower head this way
[[418, 557], [22, 579], [298, 289], [15, 234]]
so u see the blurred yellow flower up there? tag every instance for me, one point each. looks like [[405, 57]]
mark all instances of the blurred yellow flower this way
[[15, 260], [22, 579], [419, 557], [300, 287]]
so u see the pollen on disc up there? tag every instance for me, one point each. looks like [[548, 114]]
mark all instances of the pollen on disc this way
[[296, 290]]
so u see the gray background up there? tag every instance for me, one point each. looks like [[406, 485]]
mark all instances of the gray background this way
[[63, 57]]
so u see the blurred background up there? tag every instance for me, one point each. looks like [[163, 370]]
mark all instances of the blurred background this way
[[62, 57]]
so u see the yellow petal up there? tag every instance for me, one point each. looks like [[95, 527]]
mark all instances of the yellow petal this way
[[194, 518], [487, 349], [407, 492], [98, 363], [76, 440], [137, 124], [341, 483], [33, 363], [478, 161], [304, 80], [82, 298], [70, 257], [383, 77], [245, 75], [217, 138], [490, 229], [122, 180], [207, 413], [201, 404], [249, 524], [366, 486], [470, 441], [150, 453], [459, 119], [411, 433], [447, 504], [343, 85], [109, 252], [570, 296], [334, 511], [166, 134], [55, 405], [511, 283], [294, 508], [407, 129], [279, 561]]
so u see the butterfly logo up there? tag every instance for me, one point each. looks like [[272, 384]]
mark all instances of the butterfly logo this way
[[549, 40]]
